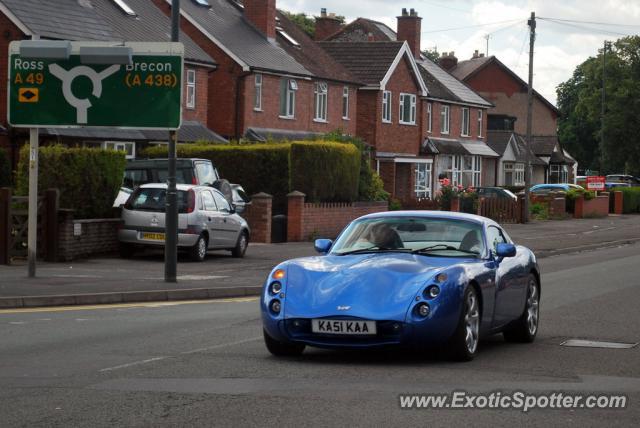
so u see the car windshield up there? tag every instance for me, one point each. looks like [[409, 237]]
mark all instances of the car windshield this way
[[421, 235], [154, 199]]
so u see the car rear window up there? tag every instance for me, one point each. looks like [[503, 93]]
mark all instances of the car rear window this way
[[154, 200]]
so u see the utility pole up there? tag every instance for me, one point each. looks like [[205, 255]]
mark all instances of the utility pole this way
[[527, 171], [171, 211], [488, 36], [607, 44]]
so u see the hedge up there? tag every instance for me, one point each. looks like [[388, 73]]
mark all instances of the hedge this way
[[630, 199], [5, 169], [88, 179], [325, 171], [258, 167]]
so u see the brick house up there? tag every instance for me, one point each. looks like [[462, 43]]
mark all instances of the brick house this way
[[450, 127], [508, 92], [272, 80], [105, 20]]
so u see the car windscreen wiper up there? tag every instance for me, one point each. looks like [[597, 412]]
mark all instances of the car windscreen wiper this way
[[443, 247], [373, 249]]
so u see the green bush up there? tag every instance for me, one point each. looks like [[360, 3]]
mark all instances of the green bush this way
[[539, 211], [325, 171], [630, 199], [88, 179], [5, 169], [258, 167], [573, 194]]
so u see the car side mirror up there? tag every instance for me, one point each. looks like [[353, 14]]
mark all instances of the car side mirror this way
[[323, 245], [505, 250]]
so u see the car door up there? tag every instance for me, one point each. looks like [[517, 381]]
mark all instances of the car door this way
[[230, 225], [507, 279], [212, 218]]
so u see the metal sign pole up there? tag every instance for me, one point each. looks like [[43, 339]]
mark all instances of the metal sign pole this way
[[32, 236]]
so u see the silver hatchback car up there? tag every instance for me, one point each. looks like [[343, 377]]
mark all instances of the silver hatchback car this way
[[206, 221]]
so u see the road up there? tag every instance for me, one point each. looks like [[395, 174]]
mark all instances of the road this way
[[204, 364]]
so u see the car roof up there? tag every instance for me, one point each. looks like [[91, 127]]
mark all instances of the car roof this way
[[178, 186], [449, 215]]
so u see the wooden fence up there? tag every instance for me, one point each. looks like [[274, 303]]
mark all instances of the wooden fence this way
[[502, 210]]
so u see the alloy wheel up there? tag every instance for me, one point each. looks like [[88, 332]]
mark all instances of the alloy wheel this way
[[472, 322], [532, 308]]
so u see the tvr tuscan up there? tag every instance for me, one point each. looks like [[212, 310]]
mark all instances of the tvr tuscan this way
[[419, 278]]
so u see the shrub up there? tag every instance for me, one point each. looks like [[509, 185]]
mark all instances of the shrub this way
[[325, 171], [539, 211], [573, 194], [468, 197], [630, 199], [88, 179], [5, 169], [258, 167]]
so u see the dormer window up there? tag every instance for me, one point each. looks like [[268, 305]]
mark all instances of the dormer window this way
[[287, 37]]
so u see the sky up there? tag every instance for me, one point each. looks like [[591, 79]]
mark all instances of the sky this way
[[568, 31]]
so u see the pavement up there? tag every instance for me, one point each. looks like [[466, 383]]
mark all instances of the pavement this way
[[141, 278]]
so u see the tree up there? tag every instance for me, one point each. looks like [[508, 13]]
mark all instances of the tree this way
[[432, 54], [613, 148], [306, 23]]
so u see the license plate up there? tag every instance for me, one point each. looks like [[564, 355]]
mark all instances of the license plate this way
[[343, 327], [153, 236]]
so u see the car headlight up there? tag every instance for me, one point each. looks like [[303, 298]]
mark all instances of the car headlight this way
[[431, 292], [276, 287], [422, 309], [275, 306]]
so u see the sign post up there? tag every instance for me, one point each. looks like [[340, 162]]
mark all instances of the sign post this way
[[62, 84]]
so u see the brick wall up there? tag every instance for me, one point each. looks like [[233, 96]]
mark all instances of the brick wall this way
[[258, 215], [99, 236], [510, 98], [455, 122], [327, 220]]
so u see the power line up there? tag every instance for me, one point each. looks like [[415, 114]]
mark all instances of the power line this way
[[588, 29], [591, 22], [472, 26]]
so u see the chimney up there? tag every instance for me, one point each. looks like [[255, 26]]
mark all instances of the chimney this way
[[475, 54], [409, 25], [326, 25], [262, 14], [448, 60]]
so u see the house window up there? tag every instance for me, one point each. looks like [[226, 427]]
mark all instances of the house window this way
[[407, 109], [386, 106], [508, 174], [429, 116], [444, 120], [480, 123], [558, 173], [345, 102], [464, 132], [257, 101], [463, 170], [288, 88], [191, 88], [423, 180], [519, 175], [129, 148], [320, 101]]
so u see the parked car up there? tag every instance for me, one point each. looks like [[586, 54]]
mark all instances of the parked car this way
[[623, 178], [553, 187], [614, 184], [188, 171], [206, 221], [496, 192], [404, 278], [240, 198]]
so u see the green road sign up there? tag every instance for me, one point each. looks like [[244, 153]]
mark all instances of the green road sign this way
[[67, 93]]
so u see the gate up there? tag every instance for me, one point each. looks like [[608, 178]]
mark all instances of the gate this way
[[14, 216], [502, 210]]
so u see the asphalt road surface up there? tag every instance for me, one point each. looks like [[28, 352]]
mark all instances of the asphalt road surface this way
[[204, 364]]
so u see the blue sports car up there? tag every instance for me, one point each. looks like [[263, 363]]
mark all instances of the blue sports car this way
[[418, 278]]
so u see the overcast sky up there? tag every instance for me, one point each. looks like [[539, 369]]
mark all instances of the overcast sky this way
[[560, 46]]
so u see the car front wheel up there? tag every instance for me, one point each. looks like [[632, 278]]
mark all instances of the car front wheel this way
[[280, 349], [463, 345], [525, 328]]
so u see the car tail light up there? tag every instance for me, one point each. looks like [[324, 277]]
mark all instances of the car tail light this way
[[194, 180], [191, 199]]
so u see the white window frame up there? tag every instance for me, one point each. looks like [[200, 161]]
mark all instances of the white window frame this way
[[508, 168], [465, 122], [423, 180], [386, 106], [290, 87], [320, 99], [457, 171], [191, 89], [129, 147], [257, 101], [518, 174], [404, 99], [480, 123], [345, 103], [429, 116], [445, 115]]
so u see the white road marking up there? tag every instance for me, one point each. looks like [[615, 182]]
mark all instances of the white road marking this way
[[208, 348], [135, 363], [221, 345], [17, 322]]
